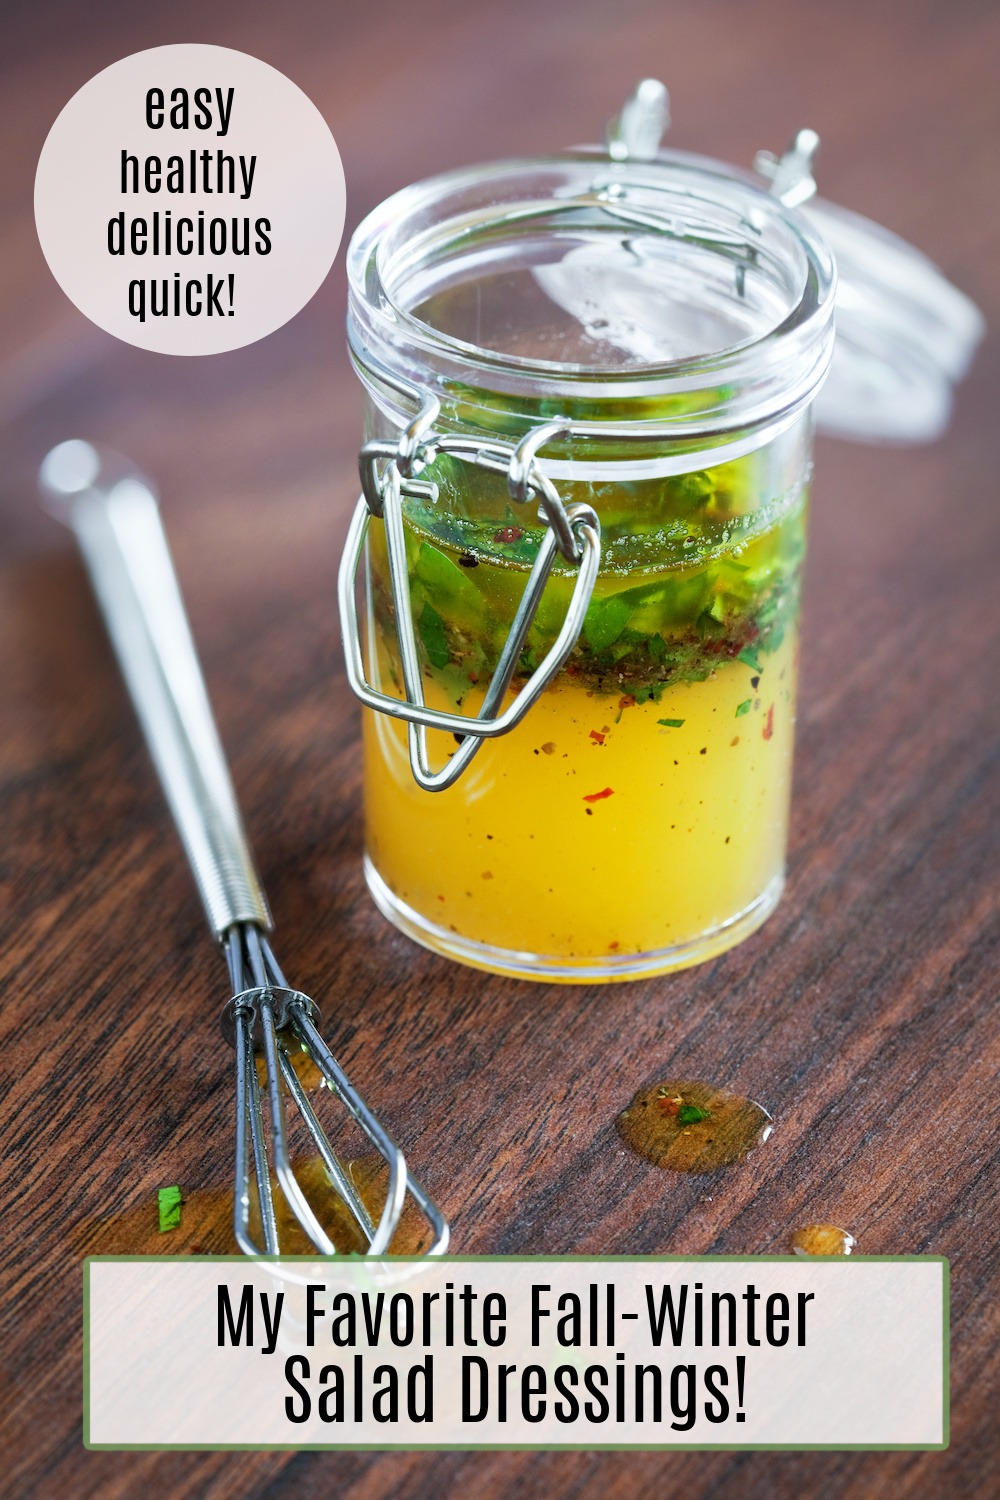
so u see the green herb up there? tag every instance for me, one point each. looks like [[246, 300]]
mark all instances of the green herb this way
[[688, 491], [690, 1114], [434, 636], [775, 637], [744, 707], [605, 621], [671, 723], [697, 610], [708, 627], [169, 1203], [438, 571], [449, 586]]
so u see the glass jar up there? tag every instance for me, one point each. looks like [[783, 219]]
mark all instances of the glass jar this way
[[611, 363]]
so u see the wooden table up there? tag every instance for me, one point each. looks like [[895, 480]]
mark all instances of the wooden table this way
[[861, 1014]]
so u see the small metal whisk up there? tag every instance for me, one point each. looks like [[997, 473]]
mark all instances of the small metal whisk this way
[[112, 510]]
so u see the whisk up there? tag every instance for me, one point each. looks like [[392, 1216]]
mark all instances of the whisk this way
[[112, 510]]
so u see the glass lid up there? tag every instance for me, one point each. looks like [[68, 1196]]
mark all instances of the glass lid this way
[[905, 334]]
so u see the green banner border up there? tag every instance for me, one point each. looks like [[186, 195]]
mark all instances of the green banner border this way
[[458, 1260]]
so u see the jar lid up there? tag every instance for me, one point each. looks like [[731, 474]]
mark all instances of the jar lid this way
[[673, 303], [905, 334]]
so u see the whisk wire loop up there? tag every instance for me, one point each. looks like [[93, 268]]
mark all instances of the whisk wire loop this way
[[262, 1019]]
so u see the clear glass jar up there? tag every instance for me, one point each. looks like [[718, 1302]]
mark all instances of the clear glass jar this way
[[674, 321]]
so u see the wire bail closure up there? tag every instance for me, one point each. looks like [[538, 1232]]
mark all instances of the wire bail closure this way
[[388, 475]]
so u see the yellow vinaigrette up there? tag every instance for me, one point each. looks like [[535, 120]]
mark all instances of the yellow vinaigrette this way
[[595, 841]]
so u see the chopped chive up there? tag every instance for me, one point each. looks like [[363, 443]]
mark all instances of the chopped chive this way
[[690, 1114], [750, 658], [671, 723], [168, 1201], [744, 707]]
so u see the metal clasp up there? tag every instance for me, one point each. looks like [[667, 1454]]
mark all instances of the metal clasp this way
[[388, 475], [636, 133], [791, 175]]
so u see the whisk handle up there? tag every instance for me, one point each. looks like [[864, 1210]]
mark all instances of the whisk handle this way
[[113, 511]]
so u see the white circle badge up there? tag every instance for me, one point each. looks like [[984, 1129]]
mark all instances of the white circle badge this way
[[190, 199]]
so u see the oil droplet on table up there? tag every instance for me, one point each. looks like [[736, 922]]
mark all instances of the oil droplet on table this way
[[687, 1125], [822, 1239], [206, 1226]]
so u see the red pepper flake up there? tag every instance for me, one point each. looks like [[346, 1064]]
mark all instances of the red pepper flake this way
[[613, 946], [599, 796], [473, 677], [768, 729], [595, 734], [508, 534], [627, 702], [670, 1106]]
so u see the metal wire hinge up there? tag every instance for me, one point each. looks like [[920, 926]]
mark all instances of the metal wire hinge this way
[[388, 476]]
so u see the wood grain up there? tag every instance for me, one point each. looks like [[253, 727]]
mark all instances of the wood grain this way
[[861, 1016]]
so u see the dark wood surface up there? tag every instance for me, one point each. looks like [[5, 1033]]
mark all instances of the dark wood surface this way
[[861, 1015]]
